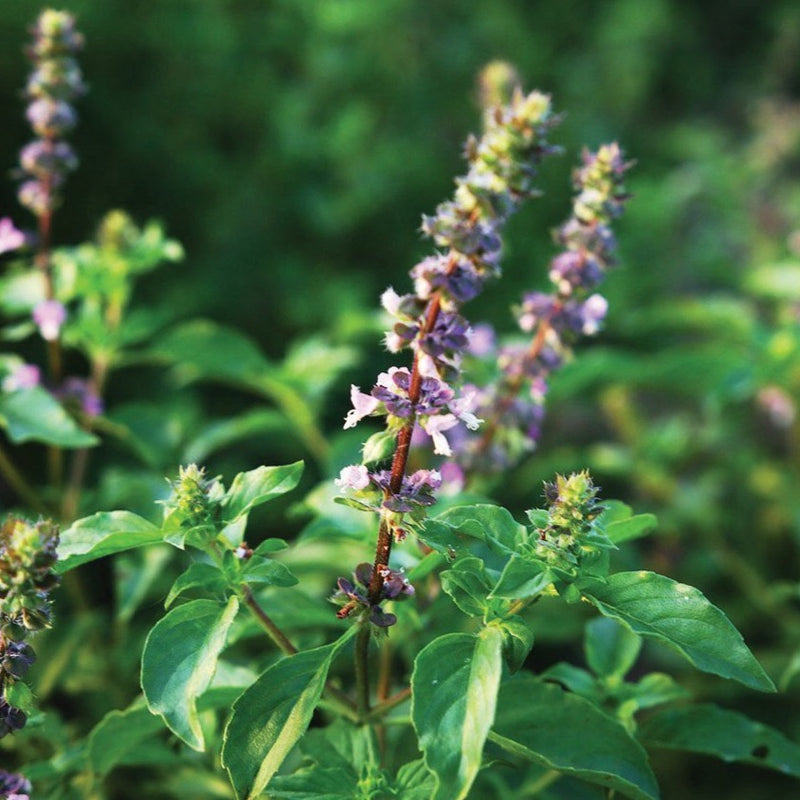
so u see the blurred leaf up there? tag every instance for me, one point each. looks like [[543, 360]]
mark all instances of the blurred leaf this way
[[542, 723], [223, 433], [34, 414], [118, 736], [454, 688], [103, 534], [681, 617], [725, 734], [775, 281], [179, 660]]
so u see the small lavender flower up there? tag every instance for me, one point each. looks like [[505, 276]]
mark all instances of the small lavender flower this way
[[10, 237], [14, 786], [24, 376], [52, 86], [514, 407], [49, 316], [354, 595], [82, 395]]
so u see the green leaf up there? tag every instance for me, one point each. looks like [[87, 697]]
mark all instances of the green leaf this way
[[725, 734], [19, 695], [222, 433], [681, 617], [524, 576], [198, 576], [204, 349], [119, 734], [267, 571], [251, 489], [493, 524], [518, 641], [103, 534], [625, 530], [179, 660], [454, 684], [611, 649], [467, 583], [271, 716], [35, 415], [415, 781], [540, 722], [577, 680]]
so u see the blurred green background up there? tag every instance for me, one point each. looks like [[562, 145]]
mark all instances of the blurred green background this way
[[292, 146]]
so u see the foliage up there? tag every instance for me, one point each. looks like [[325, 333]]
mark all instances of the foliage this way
[[452, 667]]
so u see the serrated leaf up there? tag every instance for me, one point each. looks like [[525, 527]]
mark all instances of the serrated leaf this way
[[467, 583], [35, 415], [611, 649], [179, 660], [198, 576], [271, 716], [542, 723], [680, 616], [492, 524], [251, 489], [103, 534], [725, 734], [454, 688]]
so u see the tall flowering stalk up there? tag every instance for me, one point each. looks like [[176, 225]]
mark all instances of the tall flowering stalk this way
[[513, 406], [53, 85], [27, 556], [502, 167]]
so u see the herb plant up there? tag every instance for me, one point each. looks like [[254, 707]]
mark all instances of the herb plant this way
[[388, 650]]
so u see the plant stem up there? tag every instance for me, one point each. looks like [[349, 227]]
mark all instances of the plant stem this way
[[541, 783], [18, 483], [273, 631], [362, 669], [387, 705]]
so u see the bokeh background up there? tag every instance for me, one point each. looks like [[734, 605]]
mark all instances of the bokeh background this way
[[291, 147]]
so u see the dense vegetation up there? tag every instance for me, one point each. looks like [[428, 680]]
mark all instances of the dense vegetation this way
[[291, 148]]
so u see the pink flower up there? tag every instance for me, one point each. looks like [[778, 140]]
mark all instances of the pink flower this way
[[354, 477], [10, 237], [363, 406], [49, 316], [25, 376]]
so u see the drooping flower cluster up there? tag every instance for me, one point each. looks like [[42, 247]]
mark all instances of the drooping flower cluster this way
[[514, 405], [14, 786], [354, 595], [502, 167], [27, 557], [52, 86]]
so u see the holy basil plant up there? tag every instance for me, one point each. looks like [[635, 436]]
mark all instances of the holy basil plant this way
[[402, 615]]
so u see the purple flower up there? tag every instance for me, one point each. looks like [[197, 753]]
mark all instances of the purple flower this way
[[363, 406], [51, 118], [10, 237], [49, 316], [24, 376], [82, 392], [356, 593], [14, 786], [355, 478]]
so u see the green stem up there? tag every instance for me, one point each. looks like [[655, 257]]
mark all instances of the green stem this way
[[387, 705], [541, 783], [18, 483], [362, 669], [273, 631]]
